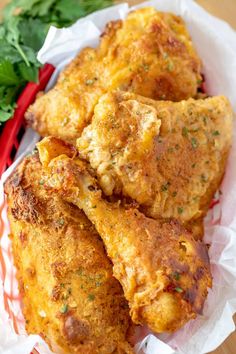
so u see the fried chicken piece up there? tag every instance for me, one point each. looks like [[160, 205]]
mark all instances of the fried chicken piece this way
[[169, 157], [70, 296], [164, 272], [149, 53]]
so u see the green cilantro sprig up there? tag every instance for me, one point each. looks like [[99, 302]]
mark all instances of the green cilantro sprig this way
[[22, 33]]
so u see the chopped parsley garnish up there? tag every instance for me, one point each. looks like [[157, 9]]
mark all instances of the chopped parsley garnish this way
[[165, 187], [180, 210], [184, 131], [145, 67], [170, 66], [91, 297], [178, 289], [80, 271], [170, 150], [64, 308], [216, 133], [175, 275], [194, 143], [61, 221]]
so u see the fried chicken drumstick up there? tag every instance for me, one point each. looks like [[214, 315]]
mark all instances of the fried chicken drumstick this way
[[70, 296], [164, 272], [149, 53]]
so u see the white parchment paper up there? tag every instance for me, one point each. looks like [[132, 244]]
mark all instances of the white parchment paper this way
[[216, 44]]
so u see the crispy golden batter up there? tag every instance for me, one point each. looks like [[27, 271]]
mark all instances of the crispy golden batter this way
[[150, 53], [69, 294], [164, 272], [169, 157]]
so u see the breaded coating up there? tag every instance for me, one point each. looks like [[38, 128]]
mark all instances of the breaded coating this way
[[164, 272], [70, 297], [150, 53], [169, 157]]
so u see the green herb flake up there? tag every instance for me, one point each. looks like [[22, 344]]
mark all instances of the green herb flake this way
[[41, 182], [170, 150], [178, 289], [170, 66], [80, 271], [91, 297], [176, 275], [216, 133], [185, 132], [165, 187], [61, 221], [180, 210], [64, 308], [194, 143], [177, 146], [145, 67]]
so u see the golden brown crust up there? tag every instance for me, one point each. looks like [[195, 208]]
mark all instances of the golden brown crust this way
[[150, 53], [69, 294], [164, 272]]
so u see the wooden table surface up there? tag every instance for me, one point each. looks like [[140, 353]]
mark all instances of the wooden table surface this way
[[225, 9]]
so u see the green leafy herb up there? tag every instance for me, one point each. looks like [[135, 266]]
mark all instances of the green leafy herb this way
[[22, 33], [180, 210], [8, 76]]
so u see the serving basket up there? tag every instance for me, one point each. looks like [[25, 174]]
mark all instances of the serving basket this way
[[208, 331], [14, 129]]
